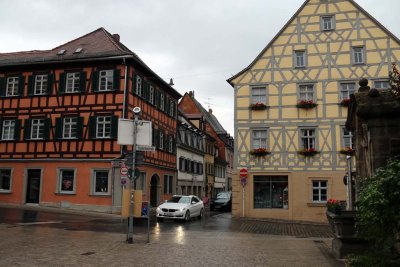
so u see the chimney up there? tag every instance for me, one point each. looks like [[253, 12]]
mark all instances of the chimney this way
[[191, 93], [210, 110], [116, 37]]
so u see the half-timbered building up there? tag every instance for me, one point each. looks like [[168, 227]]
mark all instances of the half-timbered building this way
[[59, 112], [291, 106]]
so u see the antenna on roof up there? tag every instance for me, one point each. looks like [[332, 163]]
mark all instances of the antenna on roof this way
[[209, 104]]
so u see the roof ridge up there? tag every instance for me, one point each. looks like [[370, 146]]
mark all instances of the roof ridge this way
[[73, 40], [26, 52], [115, 42]]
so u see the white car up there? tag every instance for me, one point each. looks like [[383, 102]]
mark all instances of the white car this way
[[181, 207]]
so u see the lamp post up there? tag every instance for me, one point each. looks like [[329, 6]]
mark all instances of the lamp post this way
[[136, 112], [349, 184]]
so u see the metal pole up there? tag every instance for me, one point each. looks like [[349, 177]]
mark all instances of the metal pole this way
[[349, 185], [243, 201], [130, 224]]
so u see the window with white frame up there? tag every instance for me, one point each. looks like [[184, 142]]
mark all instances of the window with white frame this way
[[358, 55], [5, 180], [327, 23], [170, 144], [319, 191], [381, 84], [306, 92], [103, 126], [308, 139], [139, 85], [151, 95], [37, 129], [300, 59], [259, 94], [161, 140], [168, 182], [8, 130], [259, 138], [70, 127], [72, 82], [346, 89], [40, 84], [106, 80], [67, 181], [12, 86], [347, 138], [172, 108], [101, 182]]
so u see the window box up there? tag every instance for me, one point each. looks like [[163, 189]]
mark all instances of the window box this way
[[347, 151], [345, 102], [306, 104], [259, 152], [258, 106], [308, 152]]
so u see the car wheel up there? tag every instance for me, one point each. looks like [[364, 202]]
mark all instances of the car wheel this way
[[201, 214], [187, 216]]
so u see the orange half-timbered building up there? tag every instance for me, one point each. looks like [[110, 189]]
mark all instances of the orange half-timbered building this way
[[59, 112]]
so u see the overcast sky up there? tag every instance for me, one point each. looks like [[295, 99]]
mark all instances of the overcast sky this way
[[198, 43]]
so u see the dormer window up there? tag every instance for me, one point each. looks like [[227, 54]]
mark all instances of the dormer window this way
[[61, 52], [78, 50]]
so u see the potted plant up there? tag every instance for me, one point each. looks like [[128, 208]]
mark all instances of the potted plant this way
[[306, 104], [258, 106], [345, 102], [259, 152], [308, 152], [341, 221], [347, 151]]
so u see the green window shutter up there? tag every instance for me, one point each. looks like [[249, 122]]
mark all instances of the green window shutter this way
[[50, 79], [47, 128], [1, 128], [92, 127], [79, 128], [156, 138], [147, 91], [145, 83], [157, 98], [117, 79], [61, 85], [31, 85], [82, 82], [2, 86], [27, 129], [17, 130], [114, 126], [167, 104], [21, 85], [134, 84], [59, 129], [95, 81]]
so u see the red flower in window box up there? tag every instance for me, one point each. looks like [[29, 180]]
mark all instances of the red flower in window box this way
[[259, 152], [345, 102], [258, 106], [308, 152], [306, 104], [347, 151]]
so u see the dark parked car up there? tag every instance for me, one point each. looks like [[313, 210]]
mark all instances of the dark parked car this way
[[223, 201]]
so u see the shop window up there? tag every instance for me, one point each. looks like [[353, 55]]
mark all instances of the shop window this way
[[270, 192], [101, 182], [5, 180]]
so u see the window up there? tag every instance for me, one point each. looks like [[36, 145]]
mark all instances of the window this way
[[37, 129], [319, 189], [258, 95], [346, 89], [70, 127], [8, 130], [347, 138], [327, 23], [12, 86], [270, 192], [106, 80], [162, 101], [358, 55], [72, 82], [168, 181], [161, 140], [138, 86], [5, 180], [300, 59], [384, 84], [182, 164], [308, 138], [172, 106], [259, 139], [40, 84], [306, 92], [103, 127], [101, 182], [141, 181], [67, 181], [151, 95]]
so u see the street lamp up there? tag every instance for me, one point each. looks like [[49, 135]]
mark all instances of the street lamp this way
[[136, 112], [349, 184]]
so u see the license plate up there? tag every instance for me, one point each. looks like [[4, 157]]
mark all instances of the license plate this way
[[168, 214]]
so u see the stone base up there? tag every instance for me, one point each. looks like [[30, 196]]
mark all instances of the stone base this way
[[342, 247]]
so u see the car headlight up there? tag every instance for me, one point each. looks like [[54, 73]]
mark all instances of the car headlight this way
[[158, 209], [182, 209]]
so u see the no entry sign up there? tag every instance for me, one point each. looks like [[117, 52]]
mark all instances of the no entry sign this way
[[123, 171], [243, 173]]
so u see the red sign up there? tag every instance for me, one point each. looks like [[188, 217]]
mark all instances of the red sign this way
[[123, 171], [243, 173]]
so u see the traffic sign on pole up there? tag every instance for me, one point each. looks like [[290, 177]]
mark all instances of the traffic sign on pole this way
[[243, 173], [123, 171], [124, 181]]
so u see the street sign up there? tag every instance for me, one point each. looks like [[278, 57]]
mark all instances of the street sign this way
[[145, 148], [243, 181], [124, 181], [243, 173], [123, 171]]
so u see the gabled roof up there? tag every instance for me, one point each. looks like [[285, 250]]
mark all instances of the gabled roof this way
[[291, 20]]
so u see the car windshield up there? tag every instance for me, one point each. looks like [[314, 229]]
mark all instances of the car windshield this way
[[223, 195], [179, 199]]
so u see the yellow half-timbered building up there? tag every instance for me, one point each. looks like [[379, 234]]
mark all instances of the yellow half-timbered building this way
[[291, 107]]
